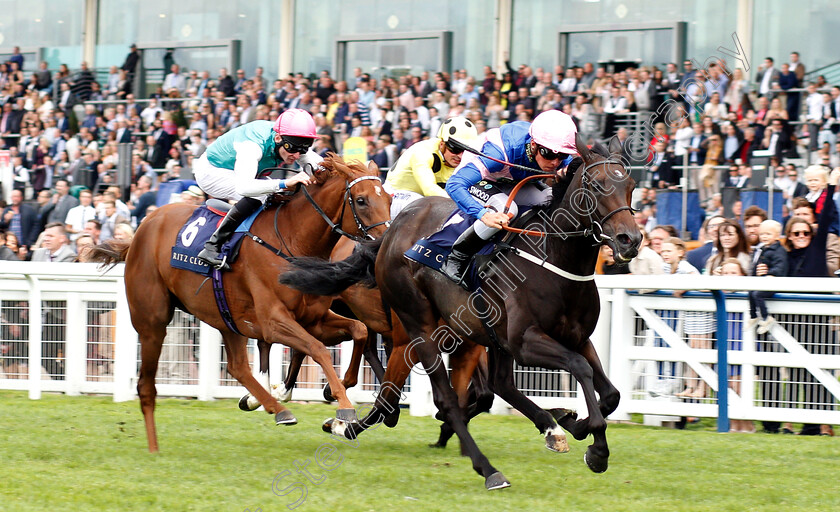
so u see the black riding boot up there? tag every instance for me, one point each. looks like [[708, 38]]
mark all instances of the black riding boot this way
[[463, 250], [239, 212]]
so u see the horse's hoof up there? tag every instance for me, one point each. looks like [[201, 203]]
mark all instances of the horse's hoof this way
[[337, 427], [347, 415], [436, 445], [248, 403], [556, 443], [285, 418], [328, 394], [596, 463], [496, 481], [392, 419], [327, 425], [280, 393]]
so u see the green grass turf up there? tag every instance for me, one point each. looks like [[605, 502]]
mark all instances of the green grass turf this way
[[89, 453]]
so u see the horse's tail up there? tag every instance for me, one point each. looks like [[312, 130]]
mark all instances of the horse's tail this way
[[321, 277], [110, 252]]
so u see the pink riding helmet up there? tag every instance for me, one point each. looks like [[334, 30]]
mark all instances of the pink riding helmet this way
[[296, 123], [554, 130]]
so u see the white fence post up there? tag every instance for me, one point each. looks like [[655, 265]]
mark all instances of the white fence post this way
[[35, 314], [618, 369], [209, 355], [125, 350], [75, 347]]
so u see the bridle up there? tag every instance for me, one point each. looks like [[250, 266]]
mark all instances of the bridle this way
[[336, 227], [595, 228]]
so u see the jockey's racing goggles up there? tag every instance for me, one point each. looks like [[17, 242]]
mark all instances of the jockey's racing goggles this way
[[454, 147], [549, 154], [294, 144]]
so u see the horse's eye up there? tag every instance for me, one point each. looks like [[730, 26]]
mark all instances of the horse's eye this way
[[361, 201]]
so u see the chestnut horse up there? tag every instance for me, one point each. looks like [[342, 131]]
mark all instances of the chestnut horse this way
[[535, 310], [346, 198]]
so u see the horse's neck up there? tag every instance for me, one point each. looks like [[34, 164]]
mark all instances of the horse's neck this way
[[302, 229], [575, 254]]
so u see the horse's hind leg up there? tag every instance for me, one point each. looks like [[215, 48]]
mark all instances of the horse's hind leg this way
[[447, 401], [238, 367], [151, 342], [463, 366], [150, 314]]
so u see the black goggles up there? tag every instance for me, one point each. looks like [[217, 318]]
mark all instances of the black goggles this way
[[296, 144], [454, 147], [549, 154]]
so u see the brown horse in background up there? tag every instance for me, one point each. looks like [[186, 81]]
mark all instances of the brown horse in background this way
[[350, 199]]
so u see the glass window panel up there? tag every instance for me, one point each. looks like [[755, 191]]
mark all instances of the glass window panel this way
[[471, 23], [55, 27], [254, 22], [809, 27], [536, 25]]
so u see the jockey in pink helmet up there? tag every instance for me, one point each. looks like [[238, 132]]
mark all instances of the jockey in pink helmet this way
[[480, 186], [231, 166]]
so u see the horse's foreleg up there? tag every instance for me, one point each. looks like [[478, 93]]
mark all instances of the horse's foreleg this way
[[607, 393], [284, 329], [282, 393], [334, 329], [503, 384], [539, 349], [238, 367]]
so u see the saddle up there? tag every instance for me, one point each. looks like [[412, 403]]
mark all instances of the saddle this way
[[433, 250]]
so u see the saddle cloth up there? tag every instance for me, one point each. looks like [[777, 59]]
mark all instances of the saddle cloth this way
[[433, 251], [196, 231]]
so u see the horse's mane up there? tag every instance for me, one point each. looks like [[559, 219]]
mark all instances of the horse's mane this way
[[335, 164], [562, 185]]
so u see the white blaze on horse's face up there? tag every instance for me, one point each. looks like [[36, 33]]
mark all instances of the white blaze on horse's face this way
[[378, 190]]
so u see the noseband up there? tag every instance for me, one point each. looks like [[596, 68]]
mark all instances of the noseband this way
[[336, 227]]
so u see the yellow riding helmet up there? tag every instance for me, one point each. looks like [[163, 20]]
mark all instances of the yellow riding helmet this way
[[458, 131]]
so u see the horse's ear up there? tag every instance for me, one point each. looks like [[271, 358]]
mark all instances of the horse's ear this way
[[582, 150], [615, 146], [373, 168]]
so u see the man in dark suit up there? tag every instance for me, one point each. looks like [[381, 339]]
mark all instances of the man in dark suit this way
[[225, 83], [696, 149], [708, 234], [766, 77], [777, 139], [162, 143], [21, 219], [123, 132], [734, 178], [63, 202], [663, 173]]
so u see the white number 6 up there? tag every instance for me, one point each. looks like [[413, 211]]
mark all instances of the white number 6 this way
[[191, 231]]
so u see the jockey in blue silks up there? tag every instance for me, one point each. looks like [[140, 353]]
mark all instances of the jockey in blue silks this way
[[480, 186]]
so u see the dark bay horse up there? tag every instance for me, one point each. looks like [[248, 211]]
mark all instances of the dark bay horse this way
[[535, 310], [347, 197], [468, 364]]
